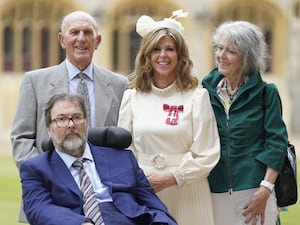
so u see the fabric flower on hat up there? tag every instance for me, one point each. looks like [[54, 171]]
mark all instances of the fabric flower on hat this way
[[145, 24]]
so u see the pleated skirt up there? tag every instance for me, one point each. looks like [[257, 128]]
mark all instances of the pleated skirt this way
[[190, 204]]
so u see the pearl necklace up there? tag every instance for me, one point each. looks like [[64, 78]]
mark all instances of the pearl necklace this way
[[231, 96]]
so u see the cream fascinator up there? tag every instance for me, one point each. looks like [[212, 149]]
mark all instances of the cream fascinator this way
[[146, 24]]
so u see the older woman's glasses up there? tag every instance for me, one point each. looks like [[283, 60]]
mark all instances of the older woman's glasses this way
[[221, 49], [64, 121]]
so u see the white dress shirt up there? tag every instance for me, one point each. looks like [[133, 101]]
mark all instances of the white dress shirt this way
[[100, 189]]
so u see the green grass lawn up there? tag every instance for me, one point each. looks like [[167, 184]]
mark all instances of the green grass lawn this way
[[10, 191], [10, 195], [292, 216]]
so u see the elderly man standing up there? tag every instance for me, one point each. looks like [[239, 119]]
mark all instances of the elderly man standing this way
[[79, 37]]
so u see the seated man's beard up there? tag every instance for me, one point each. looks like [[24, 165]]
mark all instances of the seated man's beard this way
[[73, 145]]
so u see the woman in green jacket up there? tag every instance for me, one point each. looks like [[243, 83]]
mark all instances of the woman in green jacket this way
[[252, 132]]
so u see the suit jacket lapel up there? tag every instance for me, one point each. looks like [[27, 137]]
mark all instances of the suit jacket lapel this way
[[101, 164], [59, 81], [103, 96], [63, 174]]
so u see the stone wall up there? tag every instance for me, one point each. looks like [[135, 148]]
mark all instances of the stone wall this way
[[9, 93]]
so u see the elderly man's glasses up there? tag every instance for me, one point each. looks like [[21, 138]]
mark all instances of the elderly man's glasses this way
[[64, 121]]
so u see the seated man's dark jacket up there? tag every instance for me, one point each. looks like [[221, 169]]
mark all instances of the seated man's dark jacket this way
[[51, 195]]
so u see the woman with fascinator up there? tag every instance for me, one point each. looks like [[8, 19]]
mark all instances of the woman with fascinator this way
[[175, 136]]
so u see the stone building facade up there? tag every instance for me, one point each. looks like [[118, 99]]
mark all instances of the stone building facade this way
[[28, 40]]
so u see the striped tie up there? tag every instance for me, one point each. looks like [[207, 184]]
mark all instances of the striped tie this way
[[82, 90], [90, 206]]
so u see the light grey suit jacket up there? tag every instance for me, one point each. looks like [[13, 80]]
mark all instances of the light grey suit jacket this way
[[29, 130]]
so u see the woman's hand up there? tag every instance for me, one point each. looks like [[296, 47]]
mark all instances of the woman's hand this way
[[161, 181], [254, 210]]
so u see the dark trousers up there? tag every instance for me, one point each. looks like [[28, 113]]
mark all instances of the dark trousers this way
[[112, 216]]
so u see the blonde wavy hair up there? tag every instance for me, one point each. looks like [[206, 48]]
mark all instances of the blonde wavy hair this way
[[142, 76]]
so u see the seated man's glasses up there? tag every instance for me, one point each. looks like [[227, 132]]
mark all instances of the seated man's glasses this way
[[64, 121]]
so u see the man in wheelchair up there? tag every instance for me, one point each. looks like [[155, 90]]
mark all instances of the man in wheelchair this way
[[86, 176]]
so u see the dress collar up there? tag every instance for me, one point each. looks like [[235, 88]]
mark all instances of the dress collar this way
[[168, 91]]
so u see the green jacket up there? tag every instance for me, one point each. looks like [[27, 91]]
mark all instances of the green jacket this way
[[252, 138]]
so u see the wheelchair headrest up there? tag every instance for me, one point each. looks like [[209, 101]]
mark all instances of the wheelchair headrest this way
[[110, 136]]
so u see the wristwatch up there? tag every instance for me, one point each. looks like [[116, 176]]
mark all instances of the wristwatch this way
[[267, 184]]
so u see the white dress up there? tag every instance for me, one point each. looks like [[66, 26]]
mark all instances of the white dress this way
[[184, 141]]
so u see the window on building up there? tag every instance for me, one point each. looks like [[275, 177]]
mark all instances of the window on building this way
[[27, 29], [297, 9], [115, 47], [26, 49], [268, 37], [44, 47], [8, 49], [135, 40]]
